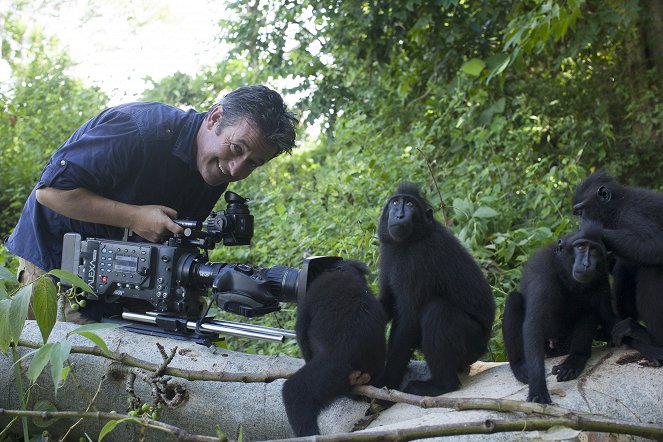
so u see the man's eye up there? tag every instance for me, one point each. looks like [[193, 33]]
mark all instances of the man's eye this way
[[236, 148]]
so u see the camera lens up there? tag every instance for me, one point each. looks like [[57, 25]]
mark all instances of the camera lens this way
[[283, 282]]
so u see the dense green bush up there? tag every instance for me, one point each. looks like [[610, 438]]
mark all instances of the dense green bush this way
[[497, 109]]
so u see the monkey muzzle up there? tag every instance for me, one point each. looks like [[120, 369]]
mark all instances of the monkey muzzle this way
[[578, 208]]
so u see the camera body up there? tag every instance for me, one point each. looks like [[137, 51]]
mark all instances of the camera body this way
[[173, 277]]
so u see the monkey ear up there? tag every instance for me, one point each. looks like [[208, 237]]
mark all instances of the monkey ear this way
[[560, 245], [603, 194]]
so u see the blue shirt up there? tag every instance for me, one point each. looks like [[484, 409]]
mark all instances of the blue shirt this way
[[137, 153]]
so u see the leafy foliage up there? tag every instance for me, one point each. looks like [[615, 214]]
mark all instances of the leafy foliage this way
[[497, 108], [39, 109]]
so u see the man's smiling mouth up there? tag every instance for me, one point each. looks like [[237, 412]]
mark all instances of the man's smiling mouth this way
[[223, 172]]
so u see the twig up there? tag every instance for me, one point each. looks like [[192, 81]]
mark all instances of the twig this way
[[460, 403], [94, 399], [181, 435], [492, 426], [432, 175], [191, 375]]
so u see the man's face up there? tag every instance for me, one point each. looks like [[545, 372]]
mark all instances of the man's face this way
[[230, 153]]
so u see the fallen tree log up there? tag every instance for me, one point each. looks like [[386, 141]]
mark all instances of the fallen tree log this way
[[212, 390], [215, 389]]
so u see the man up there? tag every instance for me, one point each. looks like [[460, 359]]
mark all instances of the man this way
[[140, 165]]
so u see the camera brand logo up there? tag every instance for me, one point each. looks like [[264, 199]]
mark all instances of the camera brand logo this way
[[92, 271]]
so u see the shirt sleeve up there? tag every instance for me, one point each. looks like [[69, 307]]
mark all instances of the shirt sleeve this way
[[102, 154]]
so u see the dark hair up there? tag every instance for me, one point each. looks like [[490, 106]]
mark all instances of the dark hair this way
[[263, 108]]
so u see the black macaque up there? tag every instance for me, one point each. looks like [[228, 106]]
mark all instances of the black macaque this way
[[433, 291], [340, 330], [564, 296], [632, 221]]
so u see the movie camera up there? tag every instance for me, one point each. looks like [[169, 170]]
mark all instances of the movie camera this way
[[164, 286]]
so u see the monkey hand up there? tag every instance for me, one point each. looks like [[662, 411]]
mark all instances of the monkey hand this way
[[623, 329], [540, 397], [358, 377], [570, 368]]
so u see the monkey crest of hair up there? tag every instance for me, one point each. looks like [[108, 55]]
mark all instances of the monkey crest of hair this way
[[413, 190], [599, 198], [265, 109]]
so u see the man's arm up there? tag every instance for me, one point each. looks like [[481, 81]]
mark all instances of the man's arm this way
[[151, 222]]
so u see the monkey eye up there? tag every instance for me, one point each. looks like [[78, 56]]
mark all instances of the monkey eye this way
[[409, 204], [603, 194], [581, 247]]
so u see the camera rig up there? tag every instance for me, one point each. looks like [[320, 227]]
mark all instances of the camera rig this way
[[162, 288]]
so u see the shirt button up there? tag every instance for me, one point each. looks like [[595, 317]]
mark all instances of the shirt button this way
[[63, 162]]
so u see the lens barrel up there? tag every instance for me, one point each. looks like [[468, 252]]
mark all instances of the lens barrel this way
[[283, 282]]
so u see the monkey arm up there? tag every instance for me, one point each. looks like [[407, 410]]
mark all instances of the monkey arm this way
[[642, 243], [386, 299], [533, 339]]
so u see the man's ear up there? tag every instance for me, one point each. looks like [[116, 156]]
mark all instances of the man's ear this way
[[214, 116]]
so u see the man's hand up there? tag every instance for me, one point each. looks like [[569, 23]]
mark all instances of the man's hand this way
[[154, 222], [150, 222]]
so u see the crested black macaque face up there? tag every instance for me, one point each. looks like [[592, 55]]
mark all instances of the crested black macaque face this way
[[588, 259], [405, 218], [583, 254], [401, 214]]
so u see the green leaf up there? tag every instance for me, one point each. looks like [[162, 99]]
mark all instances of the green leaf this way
[[485, 212], [5, 333], [6, 275], [18, 311], [474, 67], [44, 405], [95, 327], [72, 280], [39, 361], [59, 355], [110, 426], [96, 339], [45, 304]]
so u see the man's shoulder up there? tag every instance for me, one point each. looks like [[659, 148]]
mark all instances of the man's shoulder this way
[[151, 110]]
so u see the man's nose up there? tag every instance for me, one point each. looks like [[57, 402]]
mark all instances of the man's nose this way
[[237, 167]]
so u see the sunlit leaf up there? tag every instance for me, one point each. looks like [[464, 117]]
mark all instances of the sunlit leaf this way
[[96, 339], [59, 354], [110, 426], [18, 311], [6, 275], [5, 333], [474, 67], [72, 280], [39, 360], [485, 212], [44, 304]]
